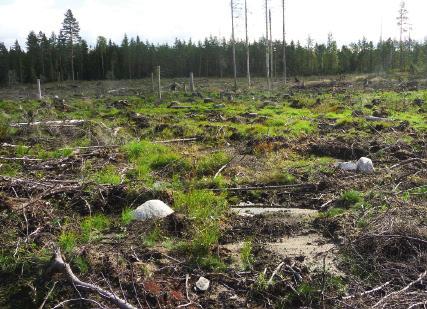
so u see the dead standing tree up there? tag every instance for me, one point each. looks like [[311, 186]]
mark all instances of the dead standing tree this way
[[247, 47], [284, 43], [233, 8], [267, 59], [404, 26]]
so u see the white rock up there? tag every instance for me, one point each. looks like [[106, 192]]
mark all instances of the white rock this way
[[202, 284], [365, 165], [152, 208]]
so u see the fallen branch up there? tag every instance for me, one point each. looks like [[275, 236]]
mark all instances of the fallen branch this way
[[19, 159], [57, 264], [368, 292], [13, 146], [411, 189], [372, 118], [183, 107], [91, 147], [339, 301], [302, 185], [178, 140], [38, 123], [405, 162]]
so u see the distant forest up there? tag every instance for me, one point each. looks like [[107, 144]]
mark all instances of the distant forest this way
[[49, 58]]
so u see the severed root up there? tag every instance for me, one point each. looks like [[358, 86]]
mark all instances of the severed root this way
[[57, 265]]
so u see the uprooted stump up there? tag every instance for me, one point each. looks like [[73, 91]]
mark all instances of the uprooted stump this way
[[57, 265]]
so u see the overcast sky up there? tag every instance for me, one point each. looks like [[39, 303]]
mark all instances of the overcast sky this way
[[161, 21]]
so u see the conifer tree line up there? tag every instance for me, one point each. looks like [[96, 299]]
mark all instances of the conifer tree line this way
[[67, 56]]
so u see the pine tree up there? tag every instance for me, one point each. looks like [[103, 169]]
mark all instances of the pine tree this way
[[69, 35]]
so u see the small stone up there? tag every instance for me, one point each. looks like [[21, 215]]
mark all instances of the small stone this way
[[347, 166], [202, 284], [365, 165], [219, 106], [208, 100]]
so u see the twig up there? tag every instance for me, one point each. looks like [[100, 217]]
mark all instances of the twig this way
[[77, 299], [327, 203], [186, 293], [171, 164], [382, 300], [17, 246], [26, 220], [23, 207], [133, 283], [220, 170], [186, 287], [118, 275], [48, 294], [412, 189], [339, 301], [170, 258], [322, 292], [109, 286], [223, 167], [293, 272], [418, 304], [274, 273]]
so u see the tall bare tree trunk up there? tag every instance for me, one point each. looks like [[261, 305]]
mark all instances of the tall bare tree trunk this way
[[284, 44], [247, 47], [72, 56], [271, 54], [234, 45], [267, 62]]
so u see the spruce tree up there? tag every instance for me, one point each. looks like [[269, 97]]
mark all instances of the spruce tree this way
[[69, 35]]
